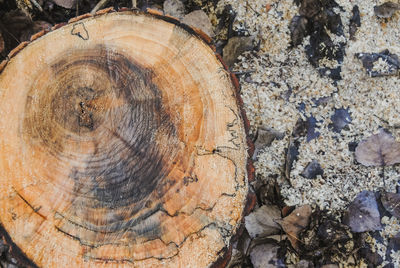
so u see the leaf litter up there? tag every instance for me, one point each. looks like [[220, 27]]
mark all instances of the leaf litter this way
[[378, 150], [363, 214]]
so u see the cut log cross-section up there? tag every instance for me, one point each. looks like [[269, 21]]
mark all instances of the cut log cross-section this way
[[122, 143]]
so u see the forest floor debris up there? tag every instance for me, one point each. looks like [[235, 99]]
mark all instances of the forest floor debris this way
[[318, 77]]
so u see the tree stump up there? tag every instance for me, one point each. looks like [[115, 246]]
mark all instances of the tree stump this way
[[122, 144]]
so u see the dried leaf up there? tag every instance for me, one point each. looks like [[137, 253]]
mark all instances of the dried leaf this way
[[265, 256], [390, 63], [304, 264], [306, 128], [293, 224], [363, 215], [261, 222], [386, 10], [36, 26], [311, 126], [340, 119], [65, 3], [378, 150], [265, 136], [235, 47], [355, 22], [300, 128], [236, 259], [200, 20], [298, 29], [391, 202], [394, 243]]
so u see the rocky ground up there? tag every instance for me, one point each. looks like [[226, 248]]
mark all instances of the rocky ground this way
[[320, 81]]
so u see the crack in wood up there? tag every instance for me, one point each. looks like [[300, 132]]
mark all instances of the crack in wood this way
[[35, 210]]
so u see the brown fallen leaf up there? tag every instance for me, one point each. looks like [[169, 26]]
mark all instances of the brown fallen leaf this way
[[363, 215], [200, 20], [391, 202], [265, 136], [262, 222], [298, 29], [386, 10], [293, 224], [235, 47], [378, 150], [65, 3], [265, 256]]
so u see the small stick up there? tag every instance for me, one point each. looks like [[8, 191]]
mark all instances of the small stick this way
[[99, 5], [383, 176], [39, 7], [77, 9], [36, 4]]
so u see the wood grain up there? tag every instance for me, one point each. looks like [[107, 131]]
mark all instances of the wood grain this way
[[121, 144]]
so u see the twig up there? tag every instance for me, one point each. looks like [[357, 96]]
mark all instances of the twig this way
[[99, 5], [36, 4], [39, 7], [13, 36], [77, 9], [383, 176], [248, 5]]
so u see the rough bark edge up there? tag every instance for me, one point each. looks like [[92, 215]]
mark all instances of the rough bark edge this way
[[251, 200], [14, 251]]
